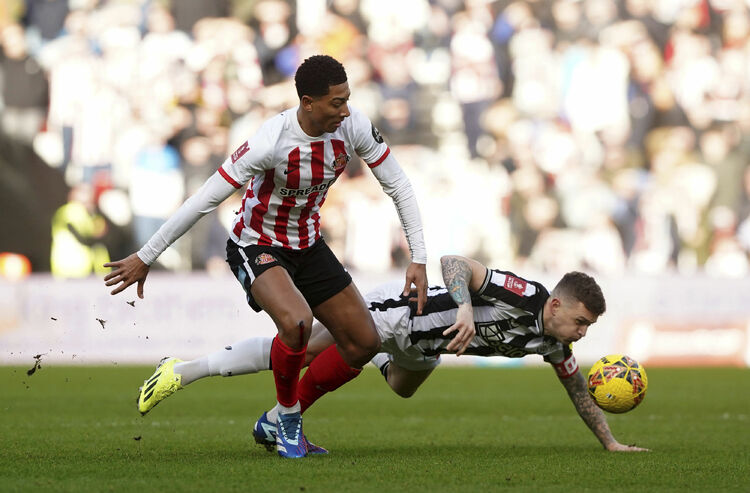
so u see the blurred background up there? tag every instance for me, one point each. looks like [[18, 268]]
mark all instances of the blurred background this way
[[610, 136]]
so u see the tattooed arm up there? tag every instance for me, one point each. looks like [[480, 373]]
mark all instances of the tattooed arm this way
[[592, 415], [461, 275]]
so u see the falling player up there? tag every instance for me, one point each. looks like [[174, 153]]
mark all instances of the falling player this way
[[275, 247]]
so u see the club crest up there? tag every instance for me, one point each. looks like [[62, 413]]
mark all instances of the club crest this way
[[340, 161], [264, 258]]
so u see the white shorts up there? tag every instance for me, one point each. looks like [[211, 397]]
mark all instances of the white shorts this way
[[393, 325]]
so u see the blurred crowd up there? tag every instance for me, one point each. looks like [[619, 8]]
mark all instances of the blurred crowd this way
[[610, 136]]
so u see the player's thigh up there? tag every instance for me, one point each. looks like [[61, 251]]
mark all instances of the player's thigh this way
[[406, 382], [347, 318], [276, 294], [320, 339]]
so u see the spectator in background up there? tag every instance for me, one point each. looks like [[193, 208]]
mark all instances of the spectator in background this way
[[25, 89], [157, 189], [188, 12], [632, 104], [44, 20], [77, 234]]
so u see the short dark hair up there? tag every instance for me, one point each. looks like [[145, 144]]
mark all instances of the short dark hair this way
[[316, 74], [583, 288]]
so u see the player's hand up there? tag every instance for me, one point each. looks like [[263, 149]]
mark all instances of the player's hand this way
[[416, 274], [465, 327], [126, 272], [619, 447]]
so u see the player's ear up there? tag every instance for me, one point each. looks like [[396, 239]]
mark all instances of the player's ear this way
[[555, 303], [306, 103]]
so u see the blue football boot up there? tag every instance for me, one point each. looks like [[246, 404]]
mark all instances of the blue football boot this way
[[290, 441], [264, 433]]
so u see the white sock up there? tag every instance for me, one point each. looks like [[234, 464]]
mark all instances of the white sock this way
[[192, 370], [273, 414], [287, 410], [242, 358]]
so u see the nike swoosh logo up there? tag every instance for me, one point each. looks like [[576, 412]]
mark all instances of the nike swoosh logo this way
[[291, 170]]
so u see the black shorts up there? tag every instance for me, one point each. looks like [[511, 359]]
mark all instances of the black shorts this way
[[315, 271]]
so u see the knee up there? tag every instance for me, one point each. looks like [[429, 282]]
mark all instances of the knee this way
[[361, 350], [405, 393], [294, 328]]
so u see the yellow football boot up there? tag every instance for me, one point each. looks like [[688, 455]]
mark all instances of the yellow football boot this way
[[163, 383]]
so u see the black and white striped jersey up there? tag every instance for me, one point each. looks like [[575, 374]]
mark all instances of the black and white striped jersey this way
[[507, 317]]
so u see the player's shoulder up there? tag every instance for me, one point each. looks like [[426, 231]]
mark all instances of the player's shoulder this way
[[276, 126], [357, 120], [511, 281]]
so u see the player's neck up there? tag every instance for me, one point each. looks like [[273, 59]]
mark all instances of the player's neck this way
[[307, 125]]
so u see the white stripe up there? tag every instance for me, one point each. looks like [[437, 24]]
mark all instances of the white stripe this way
[[246, 264]]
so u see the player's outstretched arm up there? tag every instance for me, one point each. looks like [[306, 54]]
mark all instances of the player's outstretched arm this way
[[126, 272], [594, 417], [135, 267], [462, 275]]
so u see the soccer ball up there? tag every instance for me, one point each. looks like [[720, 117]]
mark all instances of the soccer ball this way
[[617, 383]]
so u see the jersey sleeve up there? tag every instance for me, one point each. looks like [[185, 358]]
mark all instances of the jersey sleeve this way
[[213, 192], [254, 156], [518, 292], [395, 183], [367, 141]]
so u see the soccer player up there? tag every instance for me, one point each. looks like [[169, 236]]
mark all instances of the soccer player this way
[[481, 311], [275, 248]]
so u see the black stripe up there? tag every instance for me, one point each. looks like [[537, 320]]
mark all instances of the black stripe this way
[[532, 303], [443, 302], [521, 341], [150, 386], [153, 378], [527, 320], [389, 303], [434, 333], [148, 396], [474, 351]]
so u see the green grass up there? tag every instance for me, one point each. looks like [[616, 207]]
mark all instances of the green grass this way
[[75, 429]]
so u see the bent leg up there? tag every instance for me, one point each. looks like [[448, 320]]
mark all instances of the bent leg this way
[[405, 382], [349, 322], [347, 318], [275, 293], [319, 341]]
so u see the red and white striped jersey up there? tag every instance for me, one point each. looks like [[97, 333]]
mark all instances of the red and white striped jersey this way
[[290, 174]]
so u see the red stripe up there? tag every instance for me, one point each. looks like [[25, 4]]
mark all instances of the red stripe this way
[[318, 171], [382, 158], [241, 223], [264, 196], [292, 182], [228, 178], [338, 149]]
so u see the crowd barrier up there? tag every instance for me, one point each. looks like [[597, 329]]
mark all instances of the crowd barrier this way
[[660, 321]]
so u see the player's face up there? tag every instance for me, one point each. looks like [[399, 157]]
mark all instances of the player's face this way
[[569, 320], [327, 112]]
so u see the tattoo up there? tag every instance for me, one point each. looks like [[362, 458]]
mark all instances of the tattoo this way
[[587, 408], [456, 274]]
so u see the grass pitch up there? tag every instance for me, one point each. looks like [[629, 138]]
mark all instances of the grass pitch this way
[[77, 429]]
